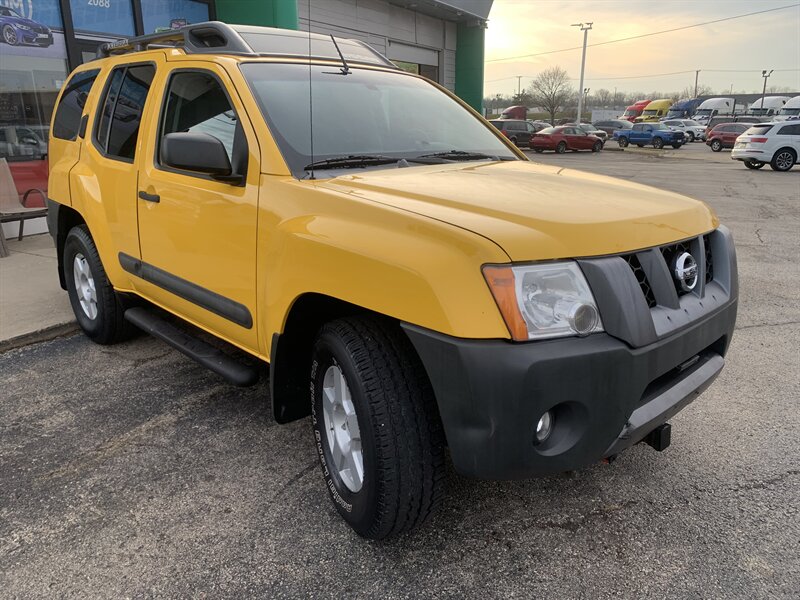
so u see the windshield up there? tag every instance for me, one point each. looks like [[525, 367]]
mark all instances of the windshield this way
[[630, 112], [759, 111], [789, 111], [651, 111], [363, 113], [703, 112]]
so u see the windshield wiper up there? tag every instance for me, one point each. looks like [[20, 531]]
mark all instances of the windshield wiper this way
[[351, 161], [462, 155]]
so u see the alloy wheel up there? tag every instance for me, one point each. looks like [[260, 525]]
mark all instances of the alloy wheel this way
[[84, 286], [341, 425]]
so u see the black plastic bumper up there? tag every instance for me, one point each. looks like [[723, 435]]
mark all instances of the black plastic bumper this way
[[605, 395]]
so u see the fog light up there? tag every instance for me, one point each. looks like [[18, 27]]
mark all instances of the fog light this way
[[544, 427]]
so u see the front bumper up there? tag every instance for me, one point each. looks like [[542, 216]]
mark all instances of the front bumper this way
[[606, 394]]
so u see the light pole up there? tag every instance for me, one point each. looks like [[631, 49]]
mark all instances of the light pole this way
[[585, 100], [765, 74], [519, 86], [585, 27]]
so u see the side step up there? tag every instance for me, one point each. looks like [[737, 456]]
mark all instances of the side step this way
[[195, 348]]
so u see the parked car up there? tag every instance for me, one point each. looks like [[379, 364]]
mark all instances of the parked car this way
[[643, 134], [692, 130], [612, 125], [419, 292], [724, 135], [16, 30], [591, 130], [539, 125], [748, 119], [561, 139], [518, 131], [776, 143]]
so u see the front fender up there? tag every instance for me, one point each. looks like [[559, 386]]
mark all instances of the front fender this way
[[384, 259]]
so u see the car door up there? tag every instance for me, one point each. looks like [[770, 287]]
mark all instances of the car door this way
[[531, 129], [198, 232], [636, 135], [789, 135]]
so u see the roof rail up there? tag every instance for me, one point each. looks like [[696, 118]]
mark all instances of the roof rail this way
[[210, 37]]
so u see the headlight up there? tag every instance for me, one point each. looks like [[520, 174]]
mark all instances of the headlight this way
[[544, 301], [25, 27]]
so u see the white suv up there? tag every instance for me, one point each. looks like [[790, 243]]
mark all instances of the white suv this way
[[775, 143], [692, 130]]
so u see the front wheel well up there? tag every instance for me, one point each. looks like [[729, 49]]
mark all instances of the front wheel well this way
[[290, 354], [67, 219]]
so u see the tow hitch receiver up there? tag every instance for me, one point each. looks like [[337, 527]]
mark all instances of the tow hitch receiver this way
[[660, 437]]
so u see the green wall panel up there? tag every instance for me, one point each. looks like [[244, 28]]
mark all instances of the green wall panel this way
[[469, 65], [269, 13]]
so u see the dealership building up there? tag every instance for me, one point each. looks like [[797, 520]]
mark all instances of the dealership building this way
[[41, 41]]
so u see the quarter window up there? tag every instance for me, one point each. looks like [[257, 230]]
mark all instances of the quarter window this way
[[195, 102], [67, 121], [790, 130], [121, 116]]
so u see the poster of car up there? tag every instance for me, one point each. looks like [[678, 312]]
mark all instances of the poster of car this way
[[31, 28]]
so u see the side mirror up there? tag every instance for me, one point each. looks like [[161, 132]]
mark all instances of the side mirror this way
[[199, 152]]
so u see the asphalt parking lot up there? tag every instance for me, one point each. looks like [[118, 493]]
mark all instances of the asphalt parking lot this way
[[130, 471]]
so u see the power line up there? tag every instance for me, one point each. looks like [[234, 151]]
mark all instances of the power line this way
[[651, 75], [643, 35]]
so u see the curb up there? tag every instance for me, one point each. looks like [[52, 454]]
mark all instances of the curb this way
[[42, 335]]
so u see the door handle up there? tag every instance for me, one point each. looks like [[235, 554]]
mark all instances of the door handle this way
[[149, 197]]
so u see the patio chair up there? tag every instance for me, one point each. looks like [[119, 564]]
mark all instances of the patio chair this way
[[12, 208]]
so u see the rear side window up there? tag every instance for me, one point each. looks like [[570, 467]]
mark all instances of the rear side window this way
[[67, 120], [790, 130], [121, 115]]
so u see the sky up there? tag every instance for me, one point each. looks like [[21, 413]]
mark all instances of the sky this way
[[747, 45]]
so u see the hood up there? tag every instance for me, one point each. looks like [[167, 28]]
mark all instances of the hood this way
[[533, 211]]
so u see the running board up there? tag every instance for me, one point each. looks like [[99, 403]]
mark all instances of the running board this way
[[207, 355]]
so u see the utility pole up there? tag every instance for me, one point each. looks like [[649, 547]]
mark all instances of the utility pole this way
[[696, 77], [765, 75], [519, 86], [585, 27]]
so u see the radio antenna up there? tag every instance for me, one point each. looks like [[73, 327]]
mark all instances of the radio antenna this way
[[310, 97]]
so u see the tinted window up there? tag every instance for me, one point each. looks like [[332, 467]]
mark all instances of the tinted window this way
[[118, 129], [196, 103], [516, 126], [790, 130], [759, 129], [638, 127], [673, 123], [68, 114]]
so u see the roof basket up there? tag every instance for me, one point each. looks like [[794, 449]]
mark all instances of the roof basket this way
[[201, 38]]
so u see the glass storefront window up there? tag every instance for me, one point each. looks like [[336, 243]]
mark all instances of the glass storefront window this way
[[33, 67], [172, 14], [102, 17]]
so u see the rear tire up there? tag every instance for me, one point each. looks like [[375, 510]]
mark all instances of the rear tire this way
[[561, 147], [716, 145], [538, 150], [623, 142], [753, 164], [676, 146], [97, 307], [690, 136], [783, 159], [388, 397]]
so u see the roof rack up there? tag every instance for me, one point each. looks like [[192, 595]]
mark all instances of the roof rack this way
[[210, 37], [215, 37]]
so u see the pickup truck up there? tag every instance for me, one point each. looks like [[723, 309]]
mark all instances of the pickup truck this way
[[643, 134]]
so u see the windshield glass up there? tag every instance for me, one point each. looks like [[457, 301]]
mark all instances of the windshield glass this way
[[652, 111], [363, 113], [703, 111], [789, 111], [630, 112]]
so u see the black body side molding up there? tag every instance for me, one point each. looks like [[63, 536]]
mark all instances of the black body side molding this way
[[211, 301]]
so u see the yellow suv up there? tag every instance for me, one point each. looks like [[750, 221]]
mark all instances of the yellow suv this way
[[416, 285]]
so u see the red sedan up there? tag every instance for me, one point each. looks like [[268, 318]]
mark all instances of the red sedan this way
[[561, 139]]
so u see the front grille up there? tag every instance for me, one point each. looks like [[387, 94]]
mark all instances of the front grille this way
[[709, 258], [641, 277]]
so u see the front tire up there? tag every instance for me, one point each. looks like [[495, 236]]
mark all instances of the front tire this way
[[753, 164], [376, 427], [10, 35], [597, 147], [658, 143], [690, 136], [96, 305], [783, 160], [716, 146]]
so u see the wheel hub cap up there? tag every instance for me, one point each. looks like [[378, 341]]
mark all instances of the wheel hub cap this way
[[84, 286], [784, 160], [341, 426]]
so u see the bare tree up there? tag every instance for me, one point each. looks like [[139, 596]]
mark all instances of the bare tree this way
[[603, 97], [551, 91], [702, 90]]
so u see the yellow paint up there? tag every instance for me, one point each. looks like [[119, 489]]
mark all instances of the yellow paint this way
[[659, 106], [407, 243]]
